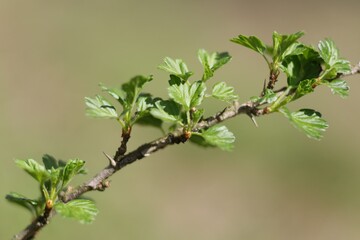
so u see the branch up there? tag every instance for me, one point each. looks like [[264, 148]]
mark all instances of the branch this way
[[99, 182]]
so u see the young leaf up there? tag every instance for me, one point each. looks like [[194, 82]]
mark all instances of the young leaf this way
[[50, 162], [133, 89], [83, 210], [306, 65], [197, 115], [35, 169], [176, 67], [218, 136], [223, 92], [330, 54], [305, 87], [99, 107], [23, 201], [307, 120], [282, 42], [116, 93], [338, 87], [143, 103], [211, 62], [167, 111], [251, 42], [72, 168], [196, 93], [269, 97], [188, 96]]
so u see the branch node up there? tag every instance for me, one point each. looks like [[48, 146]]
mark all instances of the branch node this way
[[111, 160], [103, 185]]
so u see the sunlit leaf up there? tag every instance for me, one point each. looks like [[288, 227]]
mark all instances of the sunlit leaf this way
[[99, 107], [338, 87], [35, 169], [223, 92], [251, 42], [166, 111], [83, 210], [281, 43], [133, 88], [187, 95], [176, 67], [212, 62], [217, 136], [307, 120], [334, 64], [72, 168]]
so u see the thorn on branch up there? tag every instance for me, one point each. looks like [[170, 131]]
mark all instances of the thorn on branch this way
[[111, 160], [252, 117]]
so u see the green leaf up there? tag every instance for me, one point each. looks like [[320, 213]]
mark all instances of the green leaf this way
[[187, 95], [269, 97], [55, 180], [281, 43], [144, 103], [307, 120], [197, 115], [338, 87], [197, 93], [218, 136], [174, 80], [223, 92], [23, 201], [99, 107], [167, 111], [133, 89], [330, 54], [306, 65], [35, 169], [176, 67], [149, 120], [50, 162], [83, 210], [251, 42], [212, 62], [72, 168], [305, 87], [116, 93]]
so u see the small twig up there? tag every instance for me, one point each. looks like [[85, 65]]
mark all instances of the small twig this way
[[354, 70], [123, 146]]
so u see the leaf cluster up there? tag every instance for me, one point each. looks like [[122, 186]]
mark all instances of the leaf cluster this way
[[181, 109], [53, 177], [305, 68]]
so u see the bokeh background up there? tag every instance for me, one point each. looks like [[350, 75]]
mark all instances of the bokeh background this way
[[275, 184]]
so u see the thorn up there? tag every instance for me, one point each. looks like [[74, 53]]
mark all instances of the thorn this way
[[111, 160], [252, 117]]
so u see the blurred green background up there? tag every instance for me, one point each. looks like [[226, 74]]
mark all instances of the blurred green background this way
[[275, 184]]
